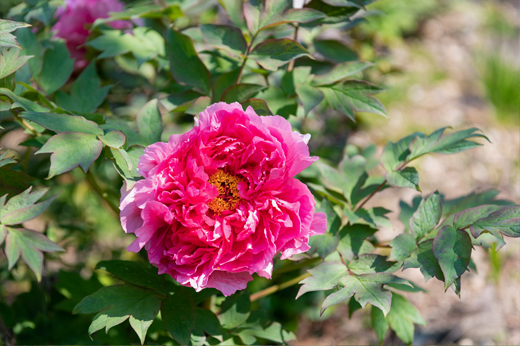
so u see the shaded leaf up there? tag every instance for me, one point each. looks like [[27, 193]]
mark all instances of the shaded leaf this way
[[114, 139], [149, 122], [379, 323], [505, 221], [22, 102], [235, 310], [402, 247], [372, 264], [407, 177], [309, 96], [115, 304], [178, 315], [395, 154], [335, 51], [56, 69], [341, 72], [402, 317], [427, 216], [324, 277], [452, 248], [424, 258], [224, 37], [29, 244], [240, 92], [23, 207], [353, 240], [137, 273], [259, 105]]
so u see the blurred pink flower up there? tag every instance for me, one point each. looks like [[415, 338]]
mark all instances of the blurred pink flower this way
[[220, 201], [73, 18]]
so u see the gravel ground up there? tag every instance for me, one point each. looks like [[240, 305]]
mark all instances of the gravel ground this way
[[488, 311]]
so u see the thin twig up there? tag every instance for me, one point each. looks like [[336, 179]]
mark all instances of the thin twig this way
[[276, 288], [291, 63], [371, 195]]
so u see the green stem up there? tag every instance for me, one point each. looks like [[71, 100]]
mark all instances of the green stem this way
[[291, 63], [297, 266], [276, 288], [245, 59], [93, 183]]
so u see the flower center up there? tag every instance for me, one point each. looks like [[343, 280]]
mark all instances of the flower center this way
[[228, 196]]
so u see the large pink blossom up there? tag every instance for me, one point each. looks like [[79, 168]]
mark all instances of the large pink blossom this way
[[220, 201], [72, 21]]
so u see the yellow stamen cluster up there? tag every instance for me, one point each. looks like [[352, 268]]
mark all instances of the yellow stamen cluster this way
[[228, 196]]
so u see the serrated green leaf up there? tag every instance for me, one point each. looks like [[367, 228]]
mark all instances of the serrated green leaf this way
[[372, 264], [260, 106], [56, 69], [366, 289], [16, 211], [70, 150], [402, 247], [375, 217], [379, 323], [63, 122], [353, 96], [10, 62], [341, 72], [324, 277], [424, 258], [149, 122], [224, 37], [505, 221], [7, 39], [86, 93], [407, 177], [323, 244], [395, 154], [118, 303], [136, 273], [185, 65], [273, 53], [353, 240], [427, 216], [235, 310], [438, 142], [402, 317], [29, 244], [240, 92], [452, 248]]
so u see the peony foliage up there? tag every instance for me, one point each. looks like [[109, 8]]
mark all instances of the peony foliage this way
[[212, 174]]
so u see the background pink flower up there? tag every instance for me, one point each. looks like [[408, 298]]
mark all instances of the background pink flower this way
[[76, 15], [218, 202]]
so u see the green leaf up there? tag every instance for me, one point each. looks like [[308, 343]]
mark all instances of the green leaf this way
[[7, 39], [22, 207], [116, 304], [335, 50], [22, 102], [372, 264], [256, 327], [149, 122], [407, 177], [10, 62], [71, 285], [185, 65], [353, 240], [273, 53], [114, 123], [441, 143], [126, 165], [136, 273], [259, 14], [323, 244], [402, 317], [324, 277], [234, 10], [353, 96], [112, 43], [31, 46], [379, 323], [452, 248], [260, 106], [467, 217], [341, 72], [222, 82], [29, 244], [334, 14], [333, 220], [113, 139], [198, 106], [505, 221], [224, 37], [354, 171], [86, 93], [59, 123], [427, 216], [278, 102], [240, 92], [395, 154], [208, 322], [179, 317], [70, 150], [402, 247], [309, 96], [235, 310], [56, 69], [424, 258], [365, 289], [375, 217]]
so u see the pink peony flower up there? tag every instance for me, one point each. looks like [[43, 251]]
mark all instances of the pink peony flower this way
[[72, 21], [220, 201]]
